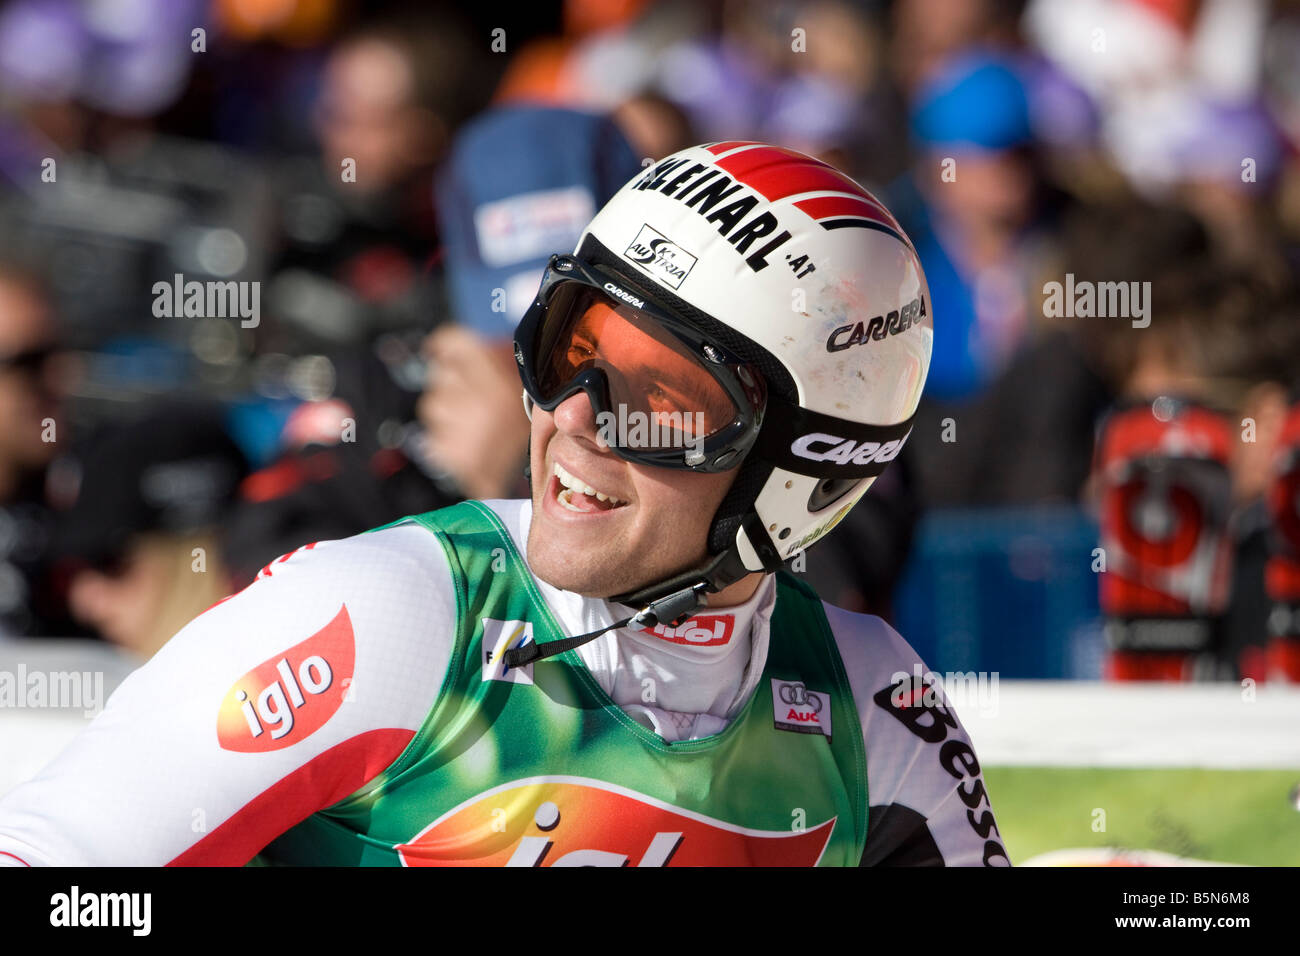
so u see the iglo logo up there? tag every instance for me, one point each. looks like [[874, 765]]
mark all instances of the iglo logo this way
[[290, 696], [578, 821]]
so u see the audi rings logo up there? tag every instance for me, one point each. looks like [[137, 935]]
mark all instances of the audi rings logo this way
[[796, 708], [797, 695]]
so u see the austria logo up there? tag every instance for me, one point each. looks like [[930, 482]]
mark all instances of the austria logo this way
[[796, 708], [660, 256]]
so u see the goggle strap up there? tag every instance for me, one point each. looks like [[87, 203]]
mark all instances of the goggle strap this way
[[824, 446]]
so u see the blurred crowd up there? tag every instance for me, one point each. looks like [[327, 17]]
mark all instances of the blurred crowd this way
[[260, 263]]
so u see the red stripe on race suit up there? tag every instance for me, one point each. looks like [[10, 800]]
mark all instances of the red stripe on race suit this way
[[265, 572], [777, 173], [322, 781]]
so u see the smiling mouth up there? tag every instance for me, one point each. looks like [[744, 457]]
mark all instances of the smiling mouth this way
[[576, 495]]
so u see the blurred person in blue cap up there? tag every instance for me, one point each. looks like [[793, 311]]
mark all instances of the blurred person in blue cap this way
[[521, 182], [986, 222], [978, 223]]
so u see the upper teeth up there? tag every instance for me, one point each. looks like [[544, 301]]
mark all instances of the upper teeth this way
[[573, 483]]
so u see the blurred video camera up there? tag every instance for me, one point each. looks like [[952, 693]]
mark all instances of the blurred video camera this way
[[1162, 468], [107, 229]]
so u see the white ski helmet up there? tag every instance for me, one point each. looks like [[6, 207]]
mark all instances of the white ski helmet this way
[[800, 272]]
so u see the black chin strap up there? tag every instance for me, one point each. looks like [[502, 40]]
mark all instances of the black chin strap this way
[[668, 602], [714, 575], [667, 610]]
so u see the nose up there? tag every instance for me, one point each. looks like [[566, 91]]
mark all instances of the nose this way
[[577, 419]]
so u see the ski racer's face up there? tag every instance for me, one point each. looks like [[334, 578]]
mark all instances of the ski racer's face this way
[[602, 525]]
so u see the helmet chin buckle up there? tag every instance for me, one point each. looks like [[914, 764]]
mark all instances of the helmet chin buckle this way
[[670, 610], [709, 578], [670, 602]]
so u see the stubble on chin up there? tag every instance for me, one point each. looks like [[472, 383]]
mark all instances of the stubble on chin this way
[[608, 568], [594, 572]]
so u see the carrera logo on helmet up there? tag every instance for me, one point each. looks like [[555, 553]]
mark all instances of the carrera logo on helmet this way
[[660, 256], [624, 295], [845, 451], [877, 328]]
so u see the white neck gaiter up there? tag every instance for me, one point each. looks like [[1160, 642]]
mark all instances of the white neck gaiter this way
[[682, 683]]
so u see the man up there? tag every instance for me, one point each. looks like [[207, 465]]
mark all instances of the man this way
[[714, 378]]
